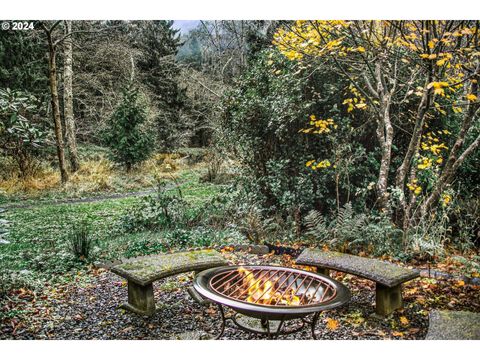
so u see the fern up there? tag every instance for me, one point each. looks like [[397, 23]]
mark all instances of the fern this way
[[344, 215], [346, 228], [316, 226]]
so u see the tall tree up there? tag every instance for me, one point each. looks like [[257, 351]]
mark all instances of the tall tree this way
[[52, 66], [127, 137], [102, 65], [227, 45], [158, 69], [403, 74], [22, 63], [70, 129]]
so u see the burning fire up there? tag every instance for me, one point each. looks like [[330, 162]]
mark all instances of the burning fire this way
[[266, 290]]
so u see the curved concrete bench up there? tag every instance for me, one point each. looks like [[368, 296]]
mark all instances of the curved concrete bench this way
[[453, 325], [387, 276], [142, 272]]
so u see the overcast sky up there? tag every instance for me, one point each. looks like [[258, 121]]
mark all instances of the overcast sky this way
[[185, 25]]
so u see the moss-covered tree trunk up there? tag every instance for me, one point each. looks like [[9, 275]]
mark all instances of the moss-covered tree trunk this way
[[70, 136], [52, 67]]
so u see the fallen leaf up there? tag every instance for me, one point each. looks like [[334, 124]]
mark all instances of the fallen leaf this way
[[414, 330], [211, 311], [227, 249], [404, 320], [332, 324], [397, 333]]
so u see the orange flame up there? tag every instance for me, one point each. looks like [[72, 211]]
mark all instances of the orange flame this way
[[265, 291]]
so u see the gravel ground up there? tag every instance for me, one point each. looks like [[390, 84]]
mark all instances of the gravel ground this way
[[89, 310]]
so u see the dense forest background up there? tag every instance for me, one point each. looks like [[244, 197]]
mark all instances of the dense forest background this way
[[361, 137]]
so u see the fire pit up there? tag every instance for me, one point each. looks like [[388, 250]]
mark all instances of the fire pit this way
[[271, 294]]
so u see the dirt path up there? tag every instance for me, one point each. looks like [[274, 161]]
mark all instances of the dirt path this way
[[29, 204]]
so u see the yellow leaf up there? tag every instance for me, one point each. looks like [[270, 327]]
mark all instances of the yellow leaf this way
[[441, 62], [471, 97], [332, 324], [461, 283], [361, 49], [404, 320]]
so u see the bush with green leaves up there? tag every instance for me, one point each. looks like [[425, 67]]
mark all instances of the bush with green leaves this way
[[265, 113], [23, 135], [127, 135], [162, 210]]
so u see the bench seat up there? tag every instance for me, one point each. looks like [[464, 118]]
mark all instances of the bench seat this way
[[387, 276], [142, 272]]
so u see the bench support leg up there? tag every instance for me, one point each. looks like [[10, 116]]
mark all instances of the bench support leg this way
[[140, 299], [388, 299], [323, 271]]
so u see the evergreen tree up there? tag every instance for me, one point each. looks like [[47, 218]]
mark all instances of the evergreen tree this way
[[158, 42], [22, 63], [126, 136], [190, 52]]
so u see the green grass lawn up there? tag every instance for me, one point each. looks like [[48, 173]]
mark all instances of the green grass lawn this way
[[39, 245]]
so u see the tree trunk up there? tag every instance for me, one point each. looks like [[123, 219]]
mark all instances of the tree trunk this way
[[415, 140], [454, 160], [453, 163], [385, 138], [52, 66], [70, 137], [403, 211]]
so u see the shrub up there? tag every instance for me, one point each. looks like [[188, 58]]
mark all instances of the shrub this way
[[428, 237], [465, 223], [22, 134], [265, 113], [214, 165], [129, 141], [163, 210], [80, 240]]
